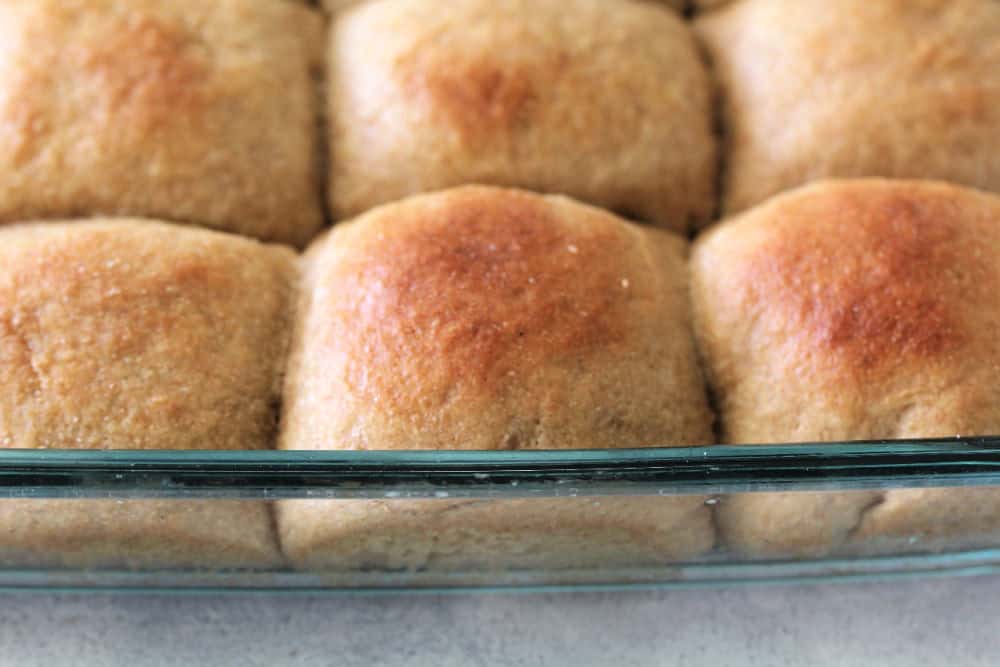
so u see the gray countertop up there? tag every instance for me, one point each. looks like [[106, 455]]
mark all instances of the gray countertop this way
[[952, 622]]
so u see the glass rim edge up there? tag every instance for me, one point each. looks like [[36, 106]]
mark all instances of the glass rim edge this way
[[711, 470]]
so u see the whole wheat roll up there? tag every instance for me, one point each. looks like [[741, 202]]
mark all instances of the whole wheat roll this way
[[133, 334], [189, 111], [851, 310], [856, 88], [488, 319], [607, 101]]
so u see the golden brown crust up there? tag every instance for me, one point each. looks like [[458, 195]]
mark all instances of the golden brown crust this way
[[158, 337], [861, 294], [849, 310], [481, 318], [896, 88], [472, 288], [860, 311], [503, 93], [139, 335], [162, 109], [477, 317]]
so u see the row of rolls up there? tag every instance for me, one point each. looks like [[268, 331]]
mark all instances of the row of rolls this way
[[483, 318], [269, 119], [529, 259]]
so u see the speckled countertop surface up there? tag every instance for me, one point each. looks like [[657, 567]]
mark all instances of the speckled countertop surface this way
[[935, 622]]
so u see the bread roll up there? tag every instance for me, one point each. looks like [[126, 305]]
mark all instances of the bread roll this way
[[489, 319], [855, 310], [604, 100], [139, 335], [191, 111], [815, 89]]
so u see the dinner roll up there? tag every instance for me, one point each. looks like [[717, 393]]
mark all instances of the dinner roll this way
[[139, 335], [855, 310], [604, 100], [191, 111], [489, 319], [815, 89]]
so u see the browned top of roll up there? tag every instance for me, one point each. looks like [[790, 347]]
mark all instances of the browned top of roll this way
[[139, 335], [606, 101], [482, 318], [201, 112], [814, 89], [853, 309], [485, 300]]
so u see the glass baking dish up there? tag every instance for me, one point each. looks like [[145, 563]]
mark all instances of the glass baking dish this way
[[99, 486]]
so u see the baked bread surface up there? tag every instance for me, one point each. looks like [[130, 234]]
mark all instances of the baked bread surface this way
[[813, 89], [854, 310], [607, 101], [489, 319], [133, 334], [137, 335], [189, 111]]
